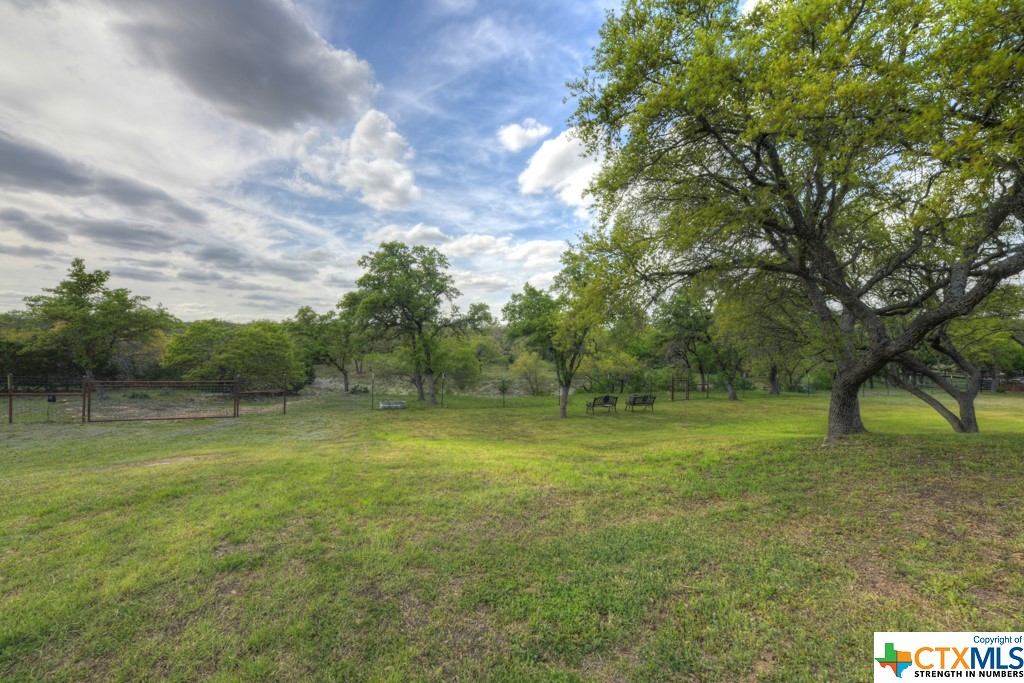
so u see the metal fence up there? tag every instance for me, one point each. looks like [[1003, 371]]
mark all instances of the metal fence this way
[[41, 400]]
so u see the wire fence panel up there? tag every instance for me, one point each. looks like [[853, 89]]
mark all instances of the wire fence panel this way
[[38, 408], [256, 396], [129, 401], [36, 400]]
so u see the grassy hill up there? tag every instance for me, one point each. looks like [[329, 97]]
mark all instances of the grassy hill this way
[[706, 541]]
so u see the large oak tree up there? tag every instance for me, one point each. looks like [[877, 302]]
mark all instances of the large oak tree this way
[[870, 151]]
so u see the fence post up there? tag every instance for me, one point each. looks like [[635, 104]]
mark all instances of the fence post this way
[[85, 387], [88, 400], [238, 393], [284, 410], [10, 398]]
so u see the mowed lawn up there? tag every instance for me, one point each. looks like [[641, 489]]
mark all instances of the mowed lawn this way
[[706, 541]]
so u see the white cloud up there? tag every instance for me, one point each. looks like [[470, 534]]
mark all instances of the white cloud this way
[[371, 162], [471, 284], [418, 234], [516, 136], [560, 167], [501, 252]]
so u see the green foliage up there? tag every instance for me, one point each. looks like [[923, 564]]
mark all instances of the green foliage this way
[[531, 371], [405, 289], [868, 152], [261, 352], [331, 337], [407, 296], [82, 326], [555, 326]]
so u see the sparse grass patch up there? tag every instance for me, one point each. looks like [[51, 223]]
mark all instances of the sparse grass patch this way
[[707, 541]]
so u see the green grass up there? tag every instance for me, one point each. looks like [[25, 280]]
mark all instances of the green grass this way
[[707, 541]]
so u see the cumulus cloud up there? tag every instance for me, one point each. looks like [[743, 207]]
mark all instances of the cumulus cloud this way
[[516, 136], [559, 167], [417, 234], [372, 162], [501, 251], [255, 61]]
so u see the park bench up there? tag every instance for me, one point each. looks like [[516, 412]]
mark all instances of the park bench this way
[[392, 405], [606, 402], [645, 400]]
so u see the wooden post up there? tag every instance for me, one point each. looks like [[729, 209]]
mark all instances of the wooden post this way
[[85, 388], [373, 388], [88, 401], [238, 394], [10, 399], [284, 410]]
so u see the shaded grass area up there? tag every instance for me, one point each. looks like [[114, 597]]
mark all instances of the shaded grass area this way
[[707, 541]]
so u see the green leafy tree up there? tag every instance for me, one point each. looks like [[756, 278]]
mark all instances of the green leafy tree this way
[[968, 346], [870, 151], [332, 338], [555, 326], [613, 365], [529, 368], [683, 326], [82, 324], [261, 352], [408, 295]]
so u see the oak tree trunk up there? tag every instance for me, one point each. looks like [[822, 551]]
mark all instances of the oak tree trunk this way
[[844, 409]]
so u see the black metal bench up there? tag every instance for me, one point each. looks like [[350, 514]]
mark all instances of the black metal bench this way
[[606, 402], [645, 400]]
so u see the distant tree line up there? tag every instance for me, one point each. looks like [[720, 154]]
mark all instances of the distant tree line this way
[[583, 333]]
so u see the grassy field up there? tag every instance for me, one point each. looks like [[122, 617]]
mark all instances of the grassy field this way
[[707, 541]]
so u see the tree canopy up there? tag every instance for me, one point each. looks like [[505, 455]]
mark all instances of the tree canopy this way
[[81, 325], [551, 325], [408, 295], [870, 152], [261, 352]]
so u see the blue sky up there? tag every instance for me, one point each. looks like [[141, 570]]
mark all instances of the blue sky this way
[[235, 158]]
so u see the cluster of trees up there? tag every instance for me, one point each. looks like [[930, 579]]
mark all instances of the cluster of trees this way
[[813, 183], [859, 167], [82, 327], [402, 321]]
